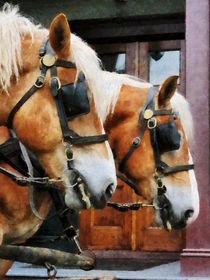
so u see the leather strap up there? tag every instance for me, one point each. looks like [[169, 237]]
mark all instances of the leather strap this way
[[163, 112], [148, 104], [127, 181], [134, 145], [65, 64], [38, 84], [154, 144], [81, 140], [20, 103], [150, 96], [172, 169]]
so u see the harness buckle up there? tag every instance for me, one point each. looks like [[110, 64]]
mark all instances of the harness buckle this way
[[58, 81], [68, 153], [39, 81], [152, 123], [136, 141]]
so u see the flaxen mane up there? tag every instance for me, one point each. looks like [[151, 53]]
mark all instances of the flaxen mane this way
[[13, 28], [105, 86]]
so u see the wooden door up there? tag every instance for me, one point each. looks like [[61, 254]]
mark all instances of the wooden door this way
[[133, 230]]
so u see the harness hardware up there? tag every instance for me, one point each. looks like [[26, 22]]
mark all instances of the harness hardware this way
[[147, 119], [48, 60], [152, 123], [39, 81], [58, 82], [136, 141], [148, 114]]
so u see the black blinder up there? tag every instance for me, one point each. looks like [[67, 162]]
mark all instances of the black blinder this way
[[168, 137], [75, 98]]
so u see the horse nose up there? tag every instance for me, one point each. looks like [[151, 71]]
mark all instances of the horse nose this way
[[101, 201], [107, 195], [109, 191], [188, 214]]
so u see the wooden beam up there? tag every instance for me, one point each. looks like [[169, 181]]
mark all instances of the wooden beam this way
[[39, 256], [129, 30], [80, 10]]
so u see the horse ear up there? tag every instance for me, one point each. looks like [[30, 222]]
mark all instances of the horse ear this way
[[167, 90], [59, 36]]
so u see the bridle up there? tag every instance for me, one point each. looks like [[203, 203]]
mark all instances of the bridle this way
[[50, 62], [147, 119]]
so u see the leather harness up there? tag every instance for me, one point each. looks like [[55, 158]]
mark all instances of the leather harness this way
[[147, 120], [11, 151]]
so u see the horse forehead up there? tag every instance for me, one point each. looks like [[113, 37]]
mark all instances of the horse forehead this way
[[138, 96], [30, 53]]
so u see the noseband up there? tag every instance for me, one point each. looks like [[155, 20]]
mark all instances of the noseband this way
[[50, 62], [147, 119]]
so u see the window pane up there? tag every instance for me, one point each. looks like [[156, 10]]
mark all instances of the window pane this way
[[162, 65], [114, 62]]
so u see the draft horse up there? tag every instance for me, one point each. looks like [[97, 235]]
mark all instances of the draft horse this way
[[149, 130], [41, 70]]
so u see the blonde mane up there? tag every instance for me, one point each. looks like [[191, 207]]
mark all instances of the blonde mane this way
[[13, 27], [104, 86]]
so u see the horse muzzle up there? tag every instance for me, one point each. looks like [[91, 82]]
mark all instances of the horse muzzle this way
[[168, 217]]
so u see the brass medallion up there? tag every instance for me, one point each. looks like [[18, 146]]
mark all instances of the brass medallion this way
[[48, 60], [148, 114]]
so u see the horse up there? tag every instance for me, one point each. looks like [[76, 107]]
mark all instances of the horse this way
[[149, 130], [40, 71]]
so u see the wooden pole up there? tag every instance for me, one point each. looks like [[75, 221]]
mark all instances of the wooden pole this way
[[195, 259], [39, 256]]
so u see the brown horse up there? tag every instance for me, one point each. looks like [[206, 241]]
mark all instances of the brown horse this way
[[159, 171], [36, 123]]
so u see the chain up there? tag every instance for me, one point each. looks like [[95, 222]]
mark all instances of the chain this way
[[123, 207], [51, 270]]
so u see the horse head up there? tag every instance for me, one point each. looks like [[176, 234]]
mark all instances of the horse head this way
[[74, 150], [149, 134]]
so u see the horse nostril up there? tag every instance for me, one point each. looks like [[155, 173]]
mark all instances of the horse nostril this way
[[109, 191], [188, 214]]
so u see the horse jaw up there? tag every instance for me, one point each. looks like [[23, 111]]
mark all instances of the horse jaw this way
[[96, 187], [180, 198]]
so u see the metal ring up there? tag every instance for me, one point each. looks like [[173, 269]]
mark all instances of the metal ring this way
[[51, 270], [58, 80], [42, 83], [152, 123], [136, 141]]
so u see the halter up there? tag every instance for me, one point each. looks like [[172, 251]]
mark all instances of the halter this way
[[50, 62], [147, 119]]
